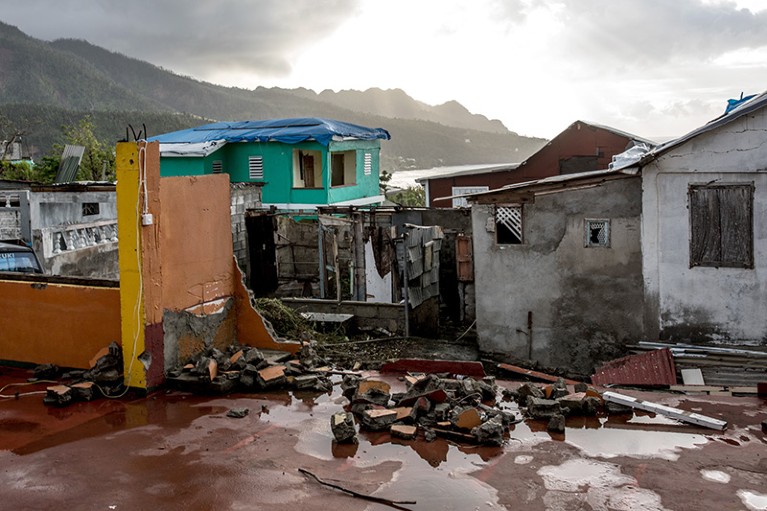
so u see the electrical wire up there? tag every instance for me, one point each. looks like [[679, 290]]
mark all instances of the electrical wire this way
[[33, 393]]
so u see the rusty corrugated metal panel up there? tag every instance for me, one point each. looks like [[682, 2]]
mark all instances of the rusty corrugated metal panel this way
[[652, 368], [464, 258]]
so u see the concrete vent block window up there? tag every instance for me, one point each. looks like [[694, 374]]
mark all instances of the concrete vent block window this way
[[256, 167], [218, 167], [722, 225], [90, 208], [508, 225], [597, 233]]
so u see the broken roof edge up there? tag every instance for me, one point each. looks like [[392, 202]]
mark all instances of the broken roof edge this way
[[550, 183], [758, 102], [193, 149]]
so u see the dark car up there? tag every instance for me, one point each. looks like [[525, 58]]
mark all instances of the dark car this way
[[18, 258]]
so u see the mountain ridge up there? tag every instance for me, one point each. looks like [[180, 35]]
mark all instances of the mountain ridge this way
[[76, 78]]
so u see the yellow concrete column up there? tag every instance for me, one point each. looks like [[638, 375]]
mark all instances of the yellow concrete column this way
[[131, 284]]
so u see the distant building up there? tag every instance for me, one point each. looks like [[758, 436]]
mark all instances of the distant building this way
[[301, 163], [582, 147]]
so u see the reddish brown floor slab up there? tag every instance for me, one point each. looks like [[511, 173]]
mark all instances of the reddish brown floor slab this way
[[173, 450]]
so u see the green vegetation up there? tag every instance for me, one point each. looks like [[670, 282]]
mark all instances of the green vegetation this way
[[414, 196]]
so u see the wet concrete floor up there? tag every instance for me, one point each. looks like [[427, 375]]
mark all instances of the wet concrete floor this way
[[173, 450]]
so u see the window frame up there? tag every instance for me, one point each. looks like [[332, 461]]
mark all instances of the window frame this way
[[587, 243], [496, 223], [700, 224]]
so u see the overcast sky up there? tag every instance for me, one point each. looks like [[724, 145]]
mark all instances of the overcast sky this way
[[656, 68]]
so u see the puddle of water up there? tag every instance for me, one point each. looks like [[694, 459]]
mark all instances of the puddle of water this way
[[578, 483], [716, 476], [753, 501], [598, 438]]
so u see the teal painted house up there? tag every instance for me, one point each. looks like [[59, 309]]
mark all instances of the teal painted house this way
[[302, 163]]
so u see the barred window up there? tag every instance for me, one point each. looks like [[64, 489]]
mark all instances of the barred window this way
[[508, 225], [597, 233]]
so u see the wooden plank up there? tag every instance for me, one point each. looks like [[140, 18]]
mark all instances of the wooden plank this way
[[533, 374], [417, 365], [668, 411]]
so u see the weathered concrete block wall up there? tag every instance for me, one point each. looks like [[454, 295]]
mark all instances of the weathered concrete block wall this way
[[389, 316], [705, 303], [585, 302], [56, 320], [10, 223], [244, 196]]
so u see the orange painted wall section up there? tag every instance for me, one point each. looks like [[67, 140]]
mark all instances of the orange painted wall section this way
[[56, 323], [251, 330], [195, 241]]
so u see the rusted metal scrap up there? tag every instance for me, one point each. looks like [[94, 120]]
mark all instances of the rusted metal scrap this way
[[651, 368]]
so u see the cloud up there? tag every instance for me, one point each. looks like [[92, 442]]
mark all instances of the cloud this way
[[644, 33], [196, 38]]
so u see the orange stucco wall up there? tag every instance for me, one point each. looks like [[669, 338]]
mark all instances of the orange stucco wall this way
[[56, 323], [195, 241]]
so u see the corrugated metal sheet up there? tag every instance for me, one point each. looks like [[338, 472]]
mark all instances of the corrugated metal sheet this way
[[652, 368], [70, 162]]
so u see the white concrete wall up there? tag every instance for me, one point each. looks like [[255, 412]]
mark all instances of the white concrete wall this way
[[586, 302], [704, 303]]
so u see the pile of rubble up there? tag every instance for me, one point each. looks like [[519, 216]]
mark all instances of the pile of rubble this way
[[246, 369], [435, 406], [105, 377]]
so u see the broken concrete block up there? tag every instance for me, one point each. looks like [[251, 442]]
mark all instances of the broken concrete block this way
[[441, 411], [617, 409], [580, 387], [528, 390], [373, 395], [247, 380], [378, 419], [421, 407], [306, 381], [271, 377], [557, 423], [404, 413], [591, 405], [429, 435], [342, 425], [46, 372], [572, 404], [58, 395], [466, 418], [252, 356], [222, 385], [84, 391], [238, 413], [403, 431], [538, 408], [489, 432], [349, 386], [366, 385]]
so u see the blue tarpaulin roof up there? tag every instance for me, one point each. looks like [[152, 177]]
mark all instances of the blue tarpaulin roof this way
[[288, 131]]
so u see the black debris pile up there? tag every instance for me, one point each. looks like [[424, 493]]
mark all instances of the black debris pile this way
[[461, 409], [246, 369], [104, 378]]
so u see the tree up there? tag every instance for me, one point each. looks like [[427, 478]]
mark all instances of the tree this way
[[414, 196], [98, 163]]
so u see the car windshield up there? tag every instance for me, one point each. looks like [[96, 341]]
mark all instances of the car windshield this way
[[18, 261]]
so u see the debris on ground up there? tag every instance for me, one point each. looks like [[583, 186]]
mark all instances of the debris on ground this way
[[244, 368], [342, 425], [238, 413], [105, 377], [668, 411], [461, 408]]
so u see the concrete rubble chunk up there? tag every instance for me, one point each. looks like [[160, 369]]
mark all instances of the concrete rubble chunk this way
[[489, 432], [58, 395], [556, 423], [572, 404], [466, 418], [539, 408], [528, 390], [342, 426], [376, 393], [84, 391], [403, 431], [271, 376], [378, 419], [580, 387], [238, 413]]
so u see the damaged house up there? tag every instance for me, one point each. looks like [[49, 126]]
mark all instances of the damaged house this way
[[668, 244], [581, 147]]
